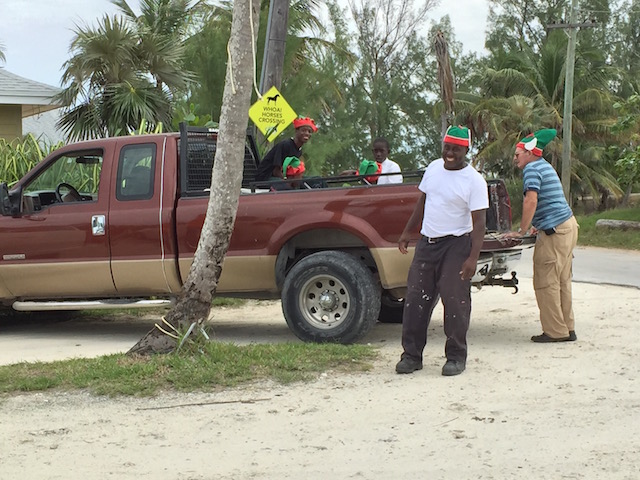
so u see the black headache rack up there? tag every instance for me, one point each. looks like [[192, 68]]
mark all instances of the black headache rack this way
[[499, 212], [197, 148]]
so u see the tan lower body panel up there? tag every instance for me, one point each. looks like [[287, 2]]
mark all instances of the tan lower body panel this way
[[156, 277], [4, 291], [243, 274], [64, 279], [393, 266], [145, 277]]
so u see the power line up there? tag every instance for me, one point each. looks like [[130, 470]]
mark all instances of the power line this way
[[552, 25]]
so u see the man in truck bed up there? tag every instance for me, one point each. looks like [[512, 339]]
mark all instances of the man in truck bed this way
[[453, 208], [270, 167]]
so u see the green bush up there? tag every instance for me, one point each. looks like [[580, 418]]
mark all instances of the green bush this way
[[20, 156]]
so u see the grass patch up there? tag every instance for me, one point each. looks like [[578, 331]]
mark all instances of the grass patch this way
[[590, 236], [198, 367]]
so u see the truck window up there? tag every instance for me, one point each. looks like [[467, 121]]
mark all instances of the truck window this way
[[72, 177], [136, 168]]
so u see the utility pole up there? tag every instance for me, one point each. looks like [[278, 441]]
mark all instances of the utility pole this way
[[274, 45], [567, 116]]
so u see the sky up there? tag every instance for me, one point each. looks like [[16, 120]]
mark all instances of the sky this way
[[36, 34]]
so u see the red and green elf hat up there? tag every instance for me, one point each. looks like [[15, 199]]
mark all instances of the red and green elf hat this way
[[292, 166], [458, 135], [535, 142], [370, 167], [305, 122]]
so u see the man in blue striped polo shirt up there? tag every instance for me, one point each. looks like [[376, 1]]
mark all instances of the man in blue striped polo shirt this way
[[546, 213]]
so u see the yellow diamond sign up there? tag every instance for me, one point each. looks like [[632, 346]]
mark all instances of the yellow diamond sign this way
[[272, 114]]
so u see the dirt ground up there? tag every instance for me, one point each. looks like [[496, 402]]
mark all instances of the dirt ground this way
[[520, 410]]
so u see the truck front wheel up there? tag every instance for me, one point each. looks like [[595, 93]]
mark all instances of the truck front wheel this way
[[330, 297]]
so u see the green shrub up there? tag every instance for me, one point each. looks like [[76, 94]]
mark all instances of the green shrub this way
[[21, 155]]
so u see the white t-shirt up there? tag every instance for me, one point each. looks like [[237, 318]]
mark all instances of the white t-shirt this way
[[389, 166], [451, 197]]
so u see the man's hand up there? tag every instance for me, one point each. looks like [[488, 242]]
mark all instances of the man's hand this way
[[468, 268], [512, 235], [403, 244]]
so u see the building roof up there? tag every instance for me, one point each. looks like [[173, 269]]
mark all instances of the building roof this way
[[35, 97]]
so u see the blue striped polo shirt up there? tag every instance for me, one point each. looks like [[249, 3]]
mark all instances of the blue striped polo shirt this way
[[552, 209]]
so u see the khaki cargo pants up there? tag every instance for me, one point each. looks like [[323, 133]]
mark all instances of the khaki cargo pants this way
[[552, 262]]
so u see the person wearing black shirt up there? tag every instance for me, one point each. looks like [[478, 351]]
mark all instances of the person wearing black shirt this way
[[270, 167]]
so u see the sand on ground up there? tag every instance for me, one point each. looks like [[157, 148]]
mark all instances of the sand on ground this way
[[520, 410]]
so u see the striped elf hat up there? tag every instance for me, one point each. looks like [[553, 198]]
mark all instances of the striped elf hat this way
[[369, 168], [535, 142], [458, 135], [292, 166]]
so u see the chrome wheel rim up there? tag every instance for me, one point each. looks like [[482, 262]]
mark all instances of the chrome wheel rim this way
[[324, 302]]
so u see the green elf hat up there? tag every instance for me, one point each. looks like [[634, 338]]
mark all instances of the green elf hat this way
[[535, 142], [369, 167], [292, 166], [458, 135]]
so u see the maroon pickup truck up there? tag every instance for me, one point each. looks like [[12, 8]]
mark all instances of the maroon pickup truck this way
[[115, 223]]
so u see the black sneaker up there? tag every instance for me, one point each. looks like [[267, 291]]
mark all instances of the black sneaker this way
[[408, 365], [544, 338], [572, 336], [453, 367]]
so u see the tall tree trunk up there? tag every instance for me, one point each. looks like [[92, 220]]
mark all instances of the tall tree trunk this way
[[194, 302], [445, 79]]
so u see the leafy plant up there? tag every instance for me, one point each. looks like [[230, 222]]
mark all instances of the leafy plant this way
[[21, 155]]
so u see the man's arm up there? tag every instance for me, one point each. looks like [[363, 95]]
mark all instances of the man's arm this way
[[529, 205], [412, 224], [479, 219], [278, 158]]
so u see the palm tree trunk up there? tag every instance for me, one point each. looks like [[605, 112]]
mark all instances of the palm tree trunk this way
[[194, 302], [445, 79]]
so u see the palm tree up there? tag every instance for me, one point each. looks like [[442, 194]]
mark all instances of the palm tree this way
[[194, 302], [162, 27], [207, 52], [126, 71], [107, 91], [526, 93]]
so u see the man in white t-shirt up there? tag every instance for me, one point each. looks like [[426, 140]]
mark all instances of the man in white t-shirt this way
[[381, 155], [452, 209]]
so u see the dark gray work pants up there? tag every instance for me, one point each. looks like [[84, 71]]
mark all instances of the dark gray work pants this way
[[435, 273]]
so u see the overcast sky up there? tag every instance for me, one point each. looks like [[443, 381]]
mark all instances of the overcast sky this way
[[36, 33]]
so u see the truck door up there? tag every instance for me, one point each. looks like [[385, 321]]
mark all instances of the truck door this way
[[139, 222], [58, 245]]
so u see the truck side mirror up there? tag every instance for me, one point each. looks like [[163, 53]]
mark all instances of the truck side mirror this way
[[5, 203], [9, 204]]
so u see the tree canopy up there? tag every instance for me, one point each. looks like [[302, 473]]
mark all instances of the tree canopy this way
[[370, 69]]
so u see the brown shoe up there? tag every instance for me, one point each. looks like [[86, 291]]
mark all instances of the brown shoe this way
[[544, 338]]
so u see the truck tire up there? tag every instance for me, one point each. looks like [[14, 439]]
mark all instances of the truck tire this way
[[330, 297], [391, 309]]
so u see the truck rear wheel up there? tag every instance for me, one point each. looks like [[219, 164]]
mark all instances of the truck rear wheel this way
[[391, 309], [330, 297]]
